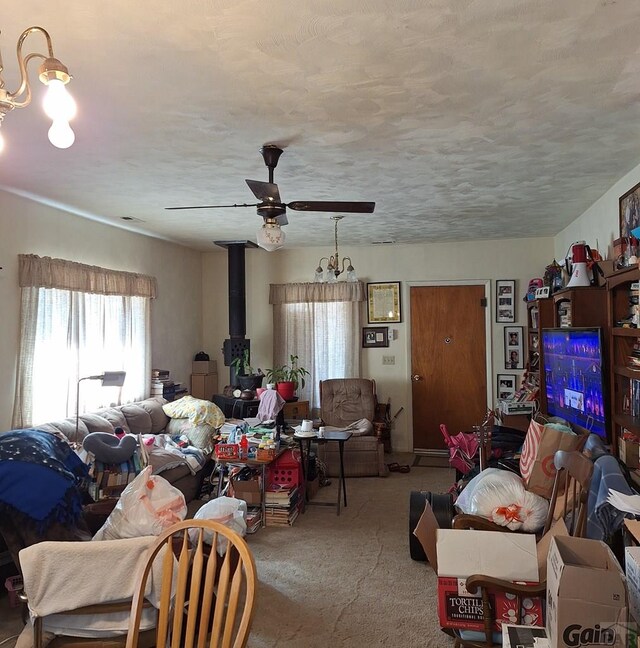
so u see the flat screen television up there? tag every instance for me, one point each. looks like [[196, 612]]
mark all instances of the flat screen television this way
[[574, 377]]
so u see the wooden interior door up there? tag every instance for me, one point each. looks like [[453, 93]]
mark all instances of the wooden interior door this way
[[448, 361]]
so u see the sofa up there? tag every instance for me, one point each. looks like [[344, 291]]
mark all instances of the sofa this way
[[351, 403], [72, 517], [142, 417]]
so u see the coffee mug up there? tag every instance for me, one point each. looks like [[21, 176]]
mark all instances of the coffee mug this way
[[306, 426]]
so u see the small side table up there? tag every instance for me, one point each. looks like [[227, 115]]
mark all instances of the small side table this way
[[340, 437], [252, 463]]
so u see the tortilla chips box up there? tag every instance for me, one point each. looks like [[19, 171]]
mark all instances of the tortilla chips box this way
[[509, 556], [586, 595]]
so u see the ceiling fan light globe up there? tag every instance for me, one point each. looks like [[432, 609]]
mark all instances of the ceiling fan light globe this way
[[270, 237]]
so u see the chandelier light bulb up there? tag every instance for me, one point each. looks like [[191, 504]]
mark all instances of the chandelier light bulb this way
[[61, 135], [1, 143], [58, 104]]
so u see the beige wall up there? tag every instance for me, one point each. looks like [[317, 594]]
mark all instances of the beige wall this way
[[30, 228], [510, 259], [599, 225]]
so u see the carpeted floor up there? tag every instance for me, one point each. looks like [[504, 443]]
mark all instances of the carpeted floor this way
[[347, 581], [425, 461]]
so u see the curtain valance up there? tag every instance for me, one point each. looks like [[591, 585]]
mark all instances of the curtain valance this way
[[45, 272], [294, 293]]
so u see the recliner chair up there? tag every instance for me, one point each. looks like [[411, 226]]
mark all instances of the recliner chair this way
[[343, 401]]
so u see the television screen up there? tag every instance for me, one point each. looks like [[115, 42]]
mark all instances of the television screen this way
[[574, 377]]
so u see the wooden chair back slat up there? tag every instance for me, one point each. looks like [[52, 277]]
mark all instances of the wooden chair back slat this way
[[213, 598]]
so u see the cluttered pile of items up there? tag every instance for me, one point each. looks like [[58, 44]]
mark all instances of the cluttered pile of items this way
[[528, 538]]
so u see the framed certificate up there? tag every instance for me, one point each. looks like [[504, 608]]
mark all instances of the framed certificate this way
[[383, 302]]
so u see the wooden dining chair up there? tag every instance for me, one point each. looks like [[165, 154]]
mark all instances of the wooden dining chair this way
[[205, 599]]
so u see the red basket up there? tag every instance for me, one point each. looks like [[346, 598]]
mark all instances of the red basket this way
[[286, 470]]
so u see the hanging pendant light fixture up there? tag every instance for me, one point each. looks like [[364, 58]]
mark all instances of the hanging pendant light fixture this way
[[58, 104], [334, 268]]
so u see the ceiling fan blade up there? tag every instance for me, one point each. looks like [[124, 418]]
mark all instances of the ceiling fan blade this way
[[265, 191], [332, 206], [215, 206]]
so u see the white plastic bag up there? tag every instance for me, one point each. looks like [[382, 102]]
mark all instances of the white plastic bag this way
[[500, 496], [148, 506], [229, 511]]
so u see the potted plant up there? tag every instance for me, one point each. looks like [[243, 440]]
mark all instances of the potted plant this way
[[246, 375], [288, 378]]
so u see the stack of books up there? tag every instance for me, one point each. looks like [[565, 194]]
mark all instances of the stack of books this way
[[281, 506], [254, 519], [634, 303], [634, 357], [159, 380], [109, 480], [564, 314]]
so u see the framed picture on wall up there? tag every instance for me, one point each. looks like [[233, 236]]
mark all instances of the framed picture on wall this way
[[505, 301], [383, 302], [506, 386], [629, 211], [375, 336], [513, 347]]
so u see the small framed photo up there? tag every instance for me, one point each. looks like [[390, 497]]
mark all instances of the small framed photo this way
[[513, 347], [383, 302], [375, 336], [505, 301], [506, 386]]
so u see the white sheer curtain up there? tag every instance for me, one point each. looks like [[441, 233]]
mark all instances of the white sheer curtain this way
[[320, 323], [75, 324]]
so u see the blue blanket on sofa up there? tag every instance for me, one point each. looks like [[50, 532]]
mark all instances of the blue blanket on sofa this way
[[39, 477]]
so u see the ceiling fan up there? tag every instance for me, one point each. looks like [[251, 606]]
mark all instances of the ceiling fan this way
[[273, 210]]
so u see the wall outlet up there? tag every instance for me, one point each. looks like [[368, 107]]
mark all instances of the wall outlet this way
[[388, 360]]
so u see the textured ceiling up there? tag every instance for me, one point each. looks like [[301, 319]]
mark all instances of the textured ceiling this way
[[461, 119]]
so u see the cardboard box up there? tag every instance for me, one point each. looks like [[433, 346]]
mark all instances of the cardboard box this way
[[204, 366], [508, 556], [632, 571], [586, 595], [204, 386], [248, 490], [628, 451]]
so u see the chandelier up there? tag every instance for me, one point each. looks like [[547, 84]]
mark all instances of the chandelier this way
[[334, 267], [58, 104]]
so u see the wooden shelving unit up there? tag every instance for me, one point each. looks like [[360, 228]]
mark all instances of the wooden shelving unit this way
[[624, 414], [586, 306]]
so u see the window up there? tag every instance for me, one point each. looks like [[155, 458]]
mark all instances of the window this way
[[320, 323], [77, 325]]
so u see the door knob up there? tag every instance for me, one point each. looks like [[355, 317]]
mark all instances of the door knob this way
[[416, 378]]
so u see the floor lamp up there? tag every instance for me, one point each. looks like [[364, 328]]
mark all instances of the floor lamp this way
[[108, 378]]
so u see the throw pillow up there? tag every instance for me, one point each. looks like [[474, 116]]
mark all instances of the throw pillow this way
[[97, 423], [138, 419], [198, 411], [200, 436]]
